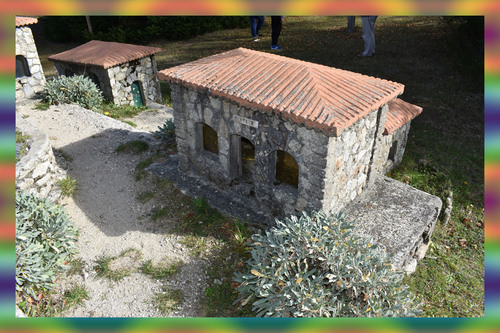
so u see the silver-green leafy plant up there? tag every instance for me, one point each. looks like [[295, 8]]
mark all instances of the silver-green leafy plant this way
[[76, 89], [315, 266], [45, 242], [166, 132]]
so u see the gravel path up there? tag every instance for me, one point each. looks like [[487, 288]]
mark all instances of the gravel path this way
[[109, 216]]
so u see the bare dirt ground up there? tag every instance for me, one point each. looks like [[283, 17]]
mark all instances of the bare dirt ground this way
[[111, 219]]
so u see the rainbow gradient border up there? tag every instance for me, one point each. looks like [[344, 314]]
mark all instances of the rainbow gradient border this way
[[488, 8]]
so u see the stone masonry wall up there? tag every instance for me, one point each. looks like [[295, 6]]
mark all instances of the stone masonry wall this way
[[394, 147], [37, 172], [144, 70], [116, 82], [28, 86], [267, 133], [349, 160]]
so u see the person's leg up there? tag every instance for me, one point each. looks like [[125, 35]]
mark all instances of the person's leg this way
[[276, 29], [365, 23], [253, 26], [351, 23], [372, 20], [260, 23]]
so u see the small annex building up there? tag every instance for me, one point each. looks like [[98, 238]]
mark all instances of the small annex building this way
[[292, 134], [29, 73], [125, 73]]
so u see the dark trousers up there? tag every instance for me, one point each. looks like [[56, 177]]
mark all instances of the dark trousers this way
[[275, 29], [256, 23]]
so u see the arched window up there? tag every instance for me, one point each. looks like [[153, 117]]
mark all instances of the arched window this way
[[287, 169], [393, 151], [247, 159], [210, 139], [22, 68]]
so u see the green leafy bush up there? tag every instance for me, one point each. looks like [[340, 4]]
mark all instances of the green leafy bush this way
[[166, 132], [45, 238], [314, 266], [76, 89]]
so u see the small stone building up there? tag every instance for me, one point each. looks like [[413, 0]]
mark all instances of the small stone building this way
[[125, 73], [292, 134], [29, 73]]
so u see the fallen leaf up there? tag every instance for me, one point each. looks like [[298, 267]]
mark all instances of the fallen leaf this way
[[256, 273]]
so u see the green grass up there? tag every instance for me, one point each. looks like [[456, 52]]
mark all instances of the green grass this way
[[76, 266], [104, 263], [136, 146], [22, 139], [441, 66], [161, 271], [42, 106], [75, 295], [168, 300], [120, 111], [145, 196], [68, 186]]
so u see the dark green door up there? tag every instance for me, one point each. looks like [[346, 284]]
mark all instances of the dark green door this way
[[137, 94]]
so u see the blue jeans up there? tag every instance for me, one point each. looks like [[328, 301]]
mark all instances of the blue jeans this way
[[369, 34], [256, 22]]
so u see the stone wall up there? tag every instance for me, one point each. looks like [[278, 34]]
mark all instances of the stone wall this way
[[143, 70], [116, 82], [394, 147], [350, 161], [28, 86], [333, 171], [37, 172], [267, 133]]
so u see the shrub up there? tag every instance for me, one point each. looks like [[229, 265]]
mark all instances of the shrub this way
[[45, 238], [314, 266], [68, 186], [166, 132], [76, 89]]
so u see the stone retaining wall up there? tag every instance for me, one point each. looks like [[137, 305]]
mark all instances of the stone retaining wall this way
[[28, 86], [37, 172]]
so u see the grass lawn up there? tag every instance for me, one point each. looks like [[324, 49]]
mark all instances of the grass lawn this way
[[445, 149]]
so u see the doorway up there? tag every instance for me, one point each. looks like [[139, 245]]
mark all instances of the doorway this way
[[137, 93]]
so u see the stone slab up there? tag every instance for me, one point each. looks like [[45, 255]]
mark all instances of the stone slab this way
[[395, 215], [398, 217]]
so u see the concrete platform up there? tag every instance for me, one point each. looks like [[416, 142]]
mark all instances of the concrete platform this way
[[395, 215], [398, 217]]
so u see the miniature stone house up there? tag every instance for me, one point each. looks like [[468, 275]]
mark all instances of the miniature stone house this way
[[125, 73], [291, 134], [29, 73]]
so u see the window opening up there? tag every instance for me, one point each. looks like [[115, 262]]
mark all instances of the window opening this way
[[22, 68], [287, 170], [210, 140], [393, 150], [247, 160]]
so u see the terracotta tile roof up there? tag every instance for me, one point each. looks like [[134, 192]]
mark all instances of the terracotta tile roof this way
[[104, 54], [400, 112], [23, 20], [318, 96]]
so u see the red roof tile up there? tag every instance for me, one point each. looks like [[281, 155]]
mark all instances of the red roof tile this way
[[23, 20], [104, 54], [321, 97], [400, 112]]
